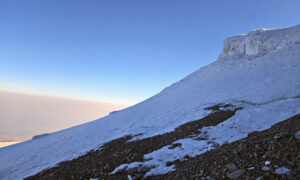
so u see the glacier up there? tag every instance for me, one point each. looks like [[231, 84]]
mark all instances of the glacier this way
[[259, 42]]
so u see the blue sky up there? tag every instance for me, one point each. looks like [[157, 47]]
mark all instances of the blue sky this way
[[121, 51]]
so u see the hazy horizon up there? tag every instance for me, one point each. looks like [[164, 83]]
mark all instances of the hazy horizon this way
[[25, 115]]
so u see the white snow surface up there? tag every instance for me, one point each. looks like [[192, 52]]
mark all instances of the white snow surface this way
[[264, 80], [251, 118], [282, 170]]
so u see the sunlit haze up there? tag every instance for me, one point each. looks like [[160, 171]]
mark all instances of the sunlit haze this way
[[25, 115]]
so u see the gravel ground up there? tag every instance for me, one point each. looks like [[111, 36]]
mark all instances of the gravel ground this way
[[259, 156], [98, 164]]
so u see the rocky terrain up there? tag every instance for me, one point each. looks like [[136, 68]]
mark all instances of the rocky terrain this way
[[270, 154]]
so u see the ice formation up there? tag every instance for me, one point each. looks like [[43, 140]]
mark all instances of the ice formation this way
[[259, 42]]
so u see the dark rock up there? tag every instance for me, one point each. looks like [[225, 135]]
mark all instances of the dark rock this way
[[144, 168], [132, 170], [40, 136], [231, 166], [235, 174], [169, 163], [106, 167], [240, 148], [175, 146], [259, 178]]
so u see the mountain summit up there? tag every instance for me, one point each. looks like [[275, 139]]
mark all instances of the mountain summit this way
[[254, 84]]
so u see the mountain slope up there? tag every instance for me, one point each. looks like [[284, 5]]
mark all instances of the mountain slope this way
[[257, 73]]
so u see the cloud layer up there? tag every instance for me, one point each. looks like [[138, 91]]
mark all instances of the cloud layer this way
[[24, 115]]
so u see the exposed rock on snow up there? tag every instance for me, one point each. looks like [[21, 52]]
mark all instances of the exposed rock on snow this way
[[259, 42], [213, 163], [40, 136], [225, 132], [121, 150]]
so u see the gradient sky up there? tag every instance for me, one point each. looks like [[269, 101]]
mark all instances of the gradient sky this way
[[121, 51]]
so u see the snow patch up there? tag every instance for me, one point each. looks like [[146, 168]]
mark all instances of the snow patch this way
[[282, 170]]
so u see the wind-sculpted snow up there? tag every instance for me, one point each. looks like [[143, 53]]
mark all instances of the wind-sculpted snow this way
[[270, 76]]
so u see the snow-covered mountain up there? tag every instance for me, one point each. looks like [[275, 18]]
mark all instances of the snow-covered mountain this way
[[258, 72]]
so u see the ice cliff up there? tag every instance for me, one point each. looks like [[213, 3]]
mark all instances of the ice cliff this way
[[259, 42]]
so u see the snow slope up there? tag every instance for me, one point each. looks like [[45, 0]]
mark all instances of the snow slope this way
[[259, 71]]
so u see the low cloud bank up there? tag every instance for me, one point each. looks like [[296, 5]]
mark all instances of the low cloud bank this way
[[23, 115]]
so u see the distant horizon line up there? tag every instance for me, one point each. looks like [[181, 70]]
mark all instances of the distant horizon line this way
[[50, 95]]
